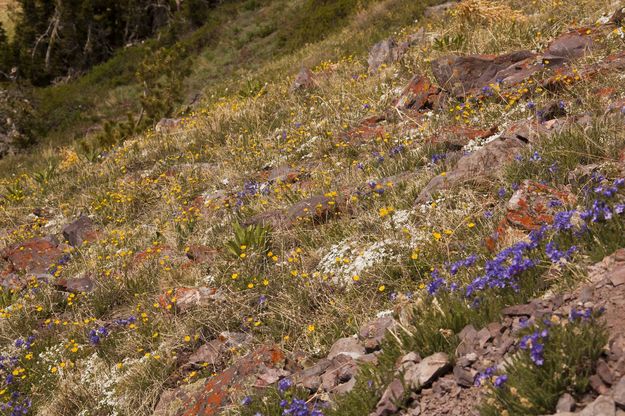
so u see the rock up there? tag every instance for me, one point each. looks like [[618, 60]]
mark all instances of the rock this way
[[602, 406], [476, 167], [284, 174], [348, 346], [429, 369], [316, 209], [173, 401], [464, 75], [553, 110], [566, 403], [345, 387], [82, 284], [366, 130], [570, 45], [418, 94], [215, 392], [604, 372], [168, 125], [456, 137], [210, 353], [372, 333], [392, 396], [439, 10], [597, 384], [619, 393], [36, 255], [305, 79], [201, 254], [235, 339], [533, 205], [310, 378], [386, 51], [80, 231], [526, 309], [186, 298], [464, 377], [341, 370], [617, 276]]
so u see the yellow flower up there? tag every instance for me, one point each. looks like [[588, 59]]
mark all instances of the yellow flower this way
[[187, 338], [311, 328], [381, 288], [356, 278], [437, 236]]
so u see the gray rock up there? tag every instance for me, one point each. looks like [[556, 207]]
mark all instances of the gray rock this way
[[429, 369], [347, 346], [602, 406], [372, 333], [566, 403], [388, 404], [304, 80], [384, 52], [479, 166], [438, 10], [464, 377], [80, 231], [619, 393]]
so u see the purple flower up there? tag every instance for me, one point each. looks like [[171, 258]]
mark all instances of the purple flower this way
[[284, 385], [499, 381]]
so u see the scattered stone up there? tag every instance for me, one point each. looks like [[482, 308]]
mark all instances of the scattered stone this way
[[602, 406], [463, 376], [210, 353], [347, 346], [604, 372], [80, 231], [201, 254], [534, 205]]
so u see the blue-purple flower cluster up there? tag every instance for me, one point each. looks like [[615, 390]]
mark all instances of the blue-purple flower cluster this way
[[299, 407], [535, 343], [18, 405]]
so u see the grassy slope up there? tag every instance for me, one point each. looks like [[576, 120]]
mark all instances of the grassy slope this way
[[140, 194]]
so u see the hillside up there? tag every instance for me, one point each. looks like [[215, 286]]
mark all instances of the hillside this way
[[399, 209]]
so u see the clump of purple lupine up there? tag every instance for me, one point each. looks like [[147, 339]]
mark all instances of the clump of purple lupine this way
[[535, 344], [299, 407]]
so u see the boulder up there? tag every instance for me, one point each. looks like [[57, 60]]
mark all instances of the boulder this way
[[570, 45], [417, 95], [372, 333]]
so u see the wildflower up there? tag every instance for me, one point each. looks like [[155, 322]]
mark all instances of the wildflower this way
[[311, 328], [499, 381], [284, 384]]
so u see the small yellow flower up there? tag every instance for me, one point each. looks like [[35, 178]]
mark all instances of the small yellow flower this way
[[311, 328], [356, 278], [381, 288], [437, 235], [187, 338]]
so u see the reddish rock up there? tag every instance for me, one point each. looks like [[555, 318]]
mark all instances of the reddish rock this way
[[418, 94], [80, 231], [217, 391], [534, 205], [36, 255]]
